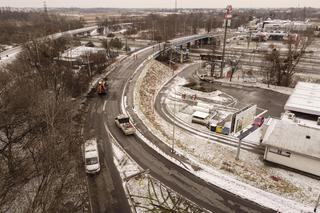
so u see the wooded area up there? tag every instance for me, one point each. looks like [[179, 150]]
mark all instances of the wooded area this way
[[19, 26], [40, 140]]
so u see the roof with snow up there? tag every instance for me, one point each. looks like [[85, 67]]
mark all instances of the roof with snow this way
[[199, 114], [77, 52], [293, 137], [305, 98]]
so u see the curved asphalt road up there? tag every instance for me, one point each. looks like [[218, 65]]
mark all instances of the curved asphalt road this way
[[182, 181], [265, 99]]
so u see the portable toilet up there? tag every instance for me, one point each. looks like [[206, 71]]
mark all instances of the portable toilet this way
[[219, 129], [226, 128], [213, 125]]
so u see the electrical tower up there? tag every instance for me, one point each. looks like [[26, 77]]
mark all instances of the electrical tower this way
[[176, 6], [45, 7]]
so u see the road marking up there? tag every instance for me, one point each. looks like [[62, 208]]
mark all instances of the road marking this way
[[90, 201], [125, 102], [104, 105]]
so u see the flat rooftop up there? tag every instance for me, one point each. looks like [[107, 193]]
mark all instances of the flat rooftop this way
[[77, 52], [305, 99], [199, 114], [293, 137]]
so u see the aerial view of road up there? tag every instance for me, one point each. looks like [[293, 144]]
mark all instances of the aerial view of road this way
[[150, 106]]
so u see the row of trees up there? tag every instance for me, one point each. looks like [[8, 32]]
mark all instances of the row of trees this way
[[19, 26], [40, 142]]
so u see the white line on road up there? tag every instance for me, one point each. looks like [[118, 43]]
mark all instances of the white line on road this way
[[104, 105]]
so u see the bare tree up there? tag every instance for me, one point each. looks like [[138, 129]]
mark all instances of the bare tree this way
[[40, 155], [283, 64]]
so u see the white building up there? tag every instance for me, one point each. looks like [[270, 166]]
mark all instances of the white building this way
[[294, 141], [285, 25], [77, 54], [305, 99], [294, 145]]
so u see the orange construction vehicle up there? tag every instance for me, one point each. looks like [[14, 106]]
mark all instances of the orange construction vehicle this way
[[102, 87]]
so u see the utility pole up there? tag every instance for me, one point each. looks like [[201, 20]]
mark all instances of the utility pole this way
[[170, 62], [238, 149], [174, 127], [249, 39], [126, 44], [174, 122], [239, 145], [88, 61], [152, 31], [227, 17]]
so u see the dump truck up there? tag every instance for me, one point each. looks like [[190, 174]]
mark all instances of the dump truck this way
[[123, 122], [102, 87]]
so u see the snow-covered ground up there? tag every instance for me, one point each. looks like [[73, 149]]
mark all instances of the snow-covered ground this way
[[248, 177], [240, 81], [144, 192]]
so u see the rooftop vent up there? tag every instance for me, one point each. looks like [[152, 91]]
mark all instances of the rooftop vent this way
[[291, 115]]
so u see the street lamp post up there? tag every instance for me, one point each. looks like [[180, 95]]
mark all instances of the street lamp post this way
[[227, 17], [239, 145], [174, 121], [238, 149], [317, 204], [224, 46]]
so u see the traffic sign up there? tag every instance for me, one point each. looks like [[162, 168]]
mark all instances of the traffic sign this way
[[228, 16]]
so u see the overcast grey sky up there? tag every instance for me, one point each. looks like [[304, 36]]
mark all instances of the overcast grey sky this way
[[161, 3]]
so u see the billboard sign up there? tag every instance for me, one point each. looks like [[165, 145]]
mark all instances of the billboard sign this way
[[243, 118], [228, 13]]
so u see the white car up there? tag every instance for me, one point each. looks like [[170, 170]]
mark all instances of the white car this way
[[123, 122], [91, 156]]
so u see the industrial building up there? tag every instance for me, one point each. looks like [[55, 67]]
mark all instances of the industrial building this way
[[79, 55], [294, 140]]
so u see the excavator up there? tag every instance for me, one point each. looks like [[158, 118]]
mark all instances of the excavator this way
[[102, 87]]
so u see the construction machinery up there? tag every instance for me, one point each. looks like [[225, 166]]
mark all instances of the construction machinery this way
[[123, 122], [102, 87]]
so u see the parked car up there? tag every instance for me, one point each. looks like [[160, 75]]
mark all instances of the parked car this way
[[258, 121]]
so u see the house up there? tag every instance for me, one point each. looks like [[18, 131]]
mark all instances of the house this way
[[294, 140], [293, 145]]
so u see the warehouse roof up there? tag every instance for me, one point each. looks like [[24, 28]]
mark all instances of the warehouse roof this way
[[294, 137], [199, 114], [305, 98], [77, 52]]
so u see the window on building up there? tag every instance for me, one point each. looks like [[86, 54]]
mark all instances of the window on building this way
[[308, 137], [273, 150], [279, 152], [286, 154]]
